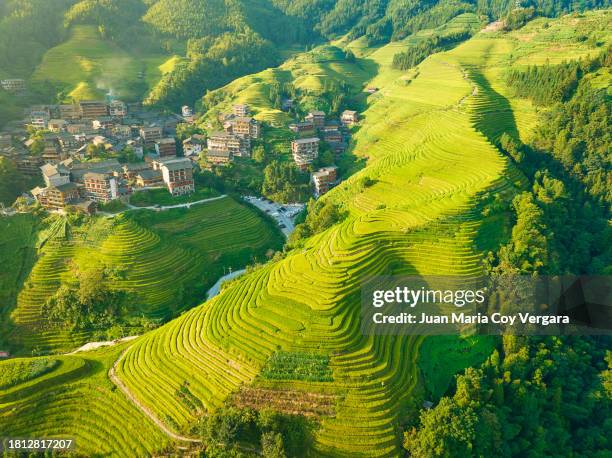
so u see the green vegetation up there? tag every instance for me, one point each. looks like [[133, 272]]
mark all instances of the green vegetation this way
[[298, 366], [378, 21], [577, 135], [192, 19], [561, 222], [284, 182], [98, 278], [441, 357], [77, 396], [416, 54], [152, 197], [86, 66], [548, 84], [88, 304], [27, 29], [213, 63], [243, 432], [17, 238], [533, 395], [114, 206], [227, 233], [436, 177], [12, 182], [14, 372], [321, 79]]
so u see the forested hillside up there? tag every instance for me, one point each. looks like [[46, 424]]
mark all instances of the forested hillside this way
[[480, 153], [27, 29], [383, 20], [246, 36], [453, 172]]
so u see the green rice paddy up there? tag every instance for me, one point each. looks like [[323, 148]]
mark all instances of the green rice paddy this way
[[186, 248], [427, 143]]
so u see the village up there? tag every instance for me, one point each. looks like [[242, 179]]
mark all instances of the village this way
[[93, 152]]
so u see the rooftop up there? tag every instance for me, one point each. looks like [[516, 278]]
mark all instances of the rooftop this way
[[221, 135], [95, 176], [177, 164], [196, 138], [49, 170], [149, 174], [301, 141], [65, 187]]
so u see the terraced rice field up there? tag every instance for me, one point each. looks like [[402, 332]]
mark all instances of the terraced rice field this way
[[429, 146], [428, 142], [76, 400], [187, 248], [308, 72]]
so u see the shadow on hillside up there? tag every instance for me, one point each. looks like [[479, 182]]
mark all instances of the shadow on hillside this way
[[349, 163], [8, 327], [501, 117]]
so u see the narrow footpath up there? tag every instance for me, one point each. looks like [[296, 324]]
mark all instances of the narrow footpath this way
[[144, 409]]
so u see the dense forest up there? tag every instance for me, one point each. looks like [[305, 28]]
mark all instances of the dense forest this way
[[213, 62], [246, 35], [27, 29], [535, 396], [561, 223], [382, 20], [417, 53]]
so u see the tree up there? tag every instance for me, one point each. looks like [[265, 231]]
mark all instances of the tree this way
[[259, 154], [272, 445], [284, 182], [88, 303], [94, 150], [446, 431], [12, 182], [185, 130], [534, 396]]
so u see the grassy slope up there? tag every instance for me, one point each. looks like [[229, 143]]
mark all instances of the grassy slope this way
[[88, 66], [17, 239], [424, 144], [427, 143], [307, 71], [77, 400], [212, 236]]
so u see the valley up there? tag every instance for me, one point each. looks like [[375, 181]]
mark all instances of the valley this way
[[429, 186]]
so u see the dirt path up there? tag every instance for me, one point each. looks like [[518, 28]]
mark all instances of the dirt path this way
[[131, 207], [160, 424], [170, 207], [95, 345]]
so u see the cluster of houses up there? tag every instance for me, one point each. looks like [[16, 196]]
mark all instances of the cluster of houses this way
[[309, 134], [84, 185], [239, 130], [71, 178], [70, 132]]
